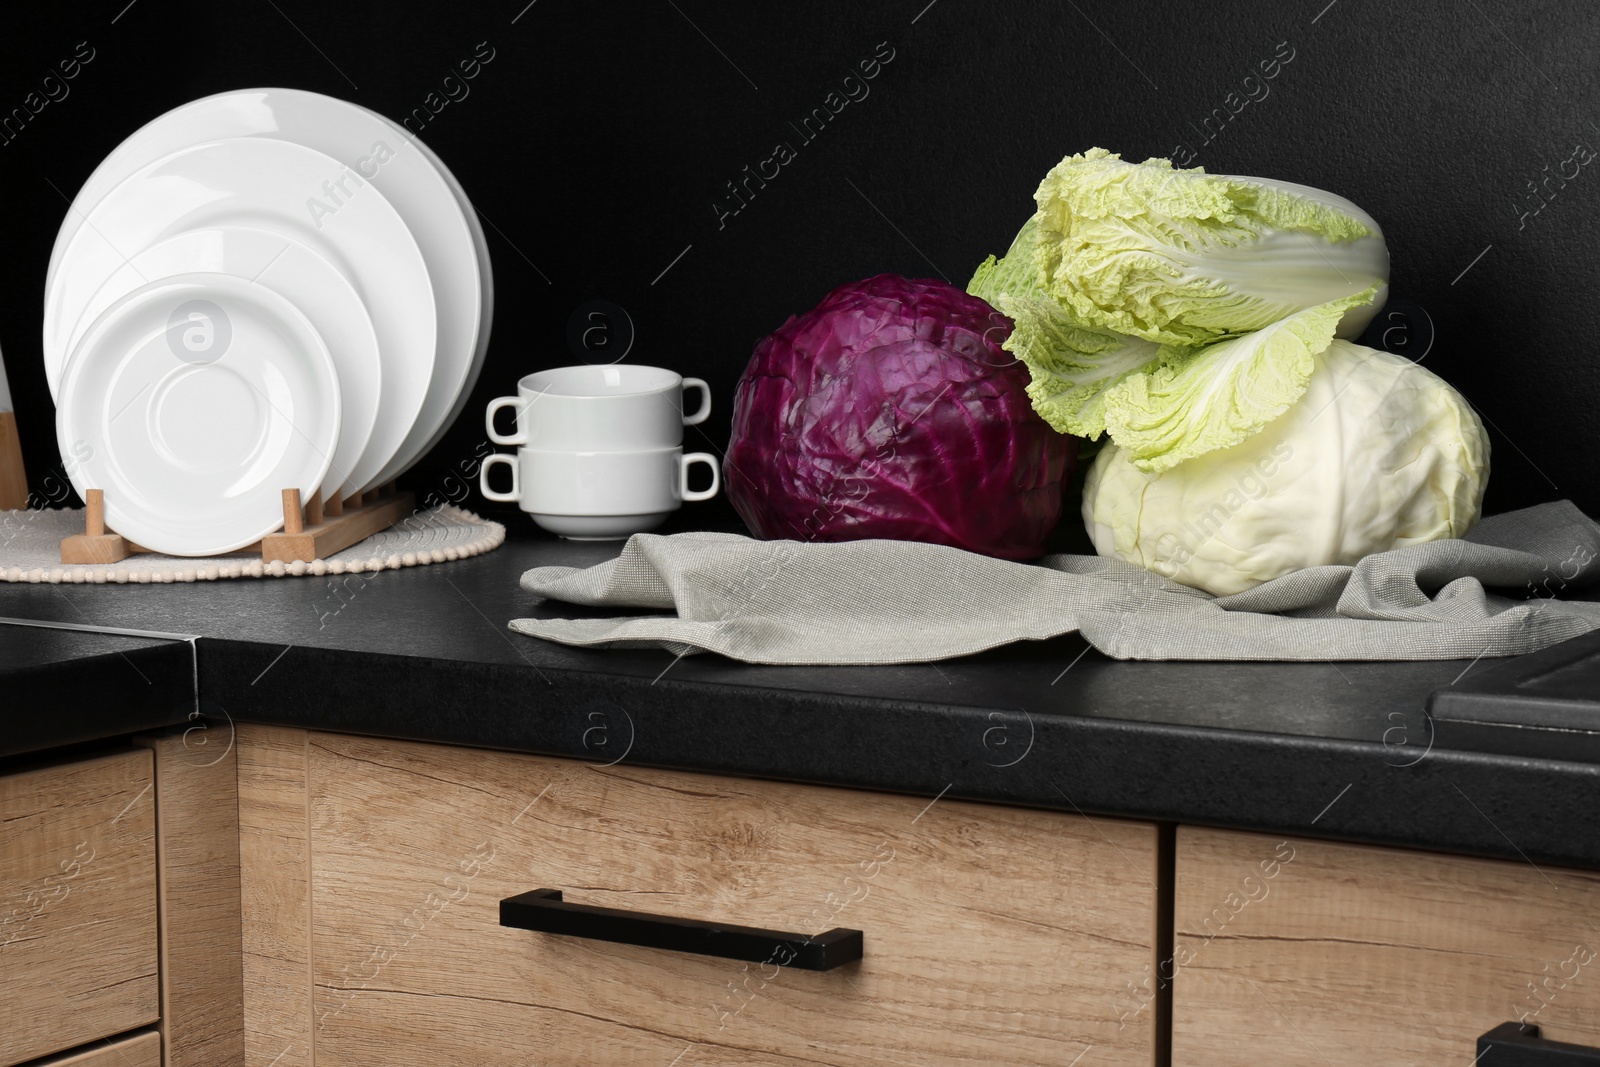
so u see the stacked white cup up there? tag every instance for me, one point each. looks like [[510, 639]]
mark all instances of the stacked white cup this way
[[600, 449]]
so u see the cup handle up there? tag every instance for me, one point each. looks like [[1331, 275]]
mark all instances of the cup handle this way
[[513, 497], [683, 475], [705, 401], [518, 438]]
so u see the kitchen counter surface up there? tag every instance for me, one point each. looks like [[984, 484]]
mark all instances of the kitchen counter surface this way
[[1338, 750], [62, 687]]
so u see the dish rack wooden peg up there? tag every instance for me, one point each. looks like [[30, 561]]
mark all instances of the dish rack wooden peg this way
[[311, 530], [94, 545]]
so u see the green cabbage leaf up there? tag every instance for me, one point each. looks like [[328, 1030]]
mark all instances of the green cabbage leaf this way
[[1175, 310], [1188, 258], [1201, 400], [1071, 365]]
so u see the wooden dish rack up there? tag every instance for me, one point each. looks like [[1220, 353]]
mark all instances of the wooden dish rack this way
[[313, 530]]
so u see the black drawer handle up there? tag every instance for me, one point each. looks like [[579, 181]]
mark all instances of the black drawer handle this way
[[1519, 1045], [543, 910]]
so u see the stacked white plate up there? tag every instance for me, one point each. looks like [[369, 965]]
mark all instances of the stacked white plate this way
[[259, 291]]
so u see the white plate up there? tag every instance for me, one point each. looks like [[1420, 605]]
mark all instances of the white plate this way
[[266, 184], [421, 189], [193, 402], [311, 284], [480, 245]]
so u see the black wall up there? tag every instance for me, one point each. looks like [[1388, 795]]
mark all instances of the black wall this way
[[598, 140]]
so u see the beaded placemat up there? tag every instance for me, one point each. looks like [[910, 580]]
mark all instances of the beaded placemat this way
[[30, 551]]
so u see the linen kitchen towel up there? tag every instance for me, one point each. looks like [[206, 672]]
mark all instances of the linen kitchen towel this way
[[1494, 593]]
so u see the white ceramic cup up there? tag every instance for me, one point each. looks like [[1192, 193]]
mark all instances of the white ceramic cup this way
[[615, 408], [599, 496]]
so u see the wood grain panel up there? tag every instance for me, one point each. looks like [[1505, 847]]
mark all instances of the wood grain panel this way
[[13, 479], [1354, 955], [78, 953], [202, 994], [275, 859], [993, 935], [141, 1050]]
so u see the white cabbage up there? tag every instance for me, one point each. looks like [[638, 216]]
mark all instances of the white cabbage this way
[[1378, 453]]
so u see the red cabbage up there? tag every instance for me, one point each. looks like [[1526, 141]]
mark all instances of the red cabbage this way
[[891, 411]]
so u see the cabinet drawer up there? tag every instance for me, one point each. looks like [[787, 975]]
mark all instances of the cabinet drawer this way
[[141, 1050], [992, 935], [77, 904], [1309, 952]]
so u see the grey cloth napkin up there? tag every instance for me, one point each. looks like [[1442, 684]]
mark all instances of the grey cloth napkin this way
[[791, 602]]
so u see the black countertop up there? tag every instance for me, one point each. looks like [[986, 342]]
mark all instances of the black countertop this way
[[1338, 750], [63, 687]]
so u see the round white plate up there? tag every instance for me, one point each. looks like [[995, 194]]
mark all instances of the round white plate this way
[[192, 403], [382, 153], [311, 284], [480, 246], [274, 185]]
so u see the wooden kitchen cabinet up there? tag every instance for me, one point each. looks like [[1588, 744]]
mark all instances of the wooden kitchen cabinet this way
[[197, 852], [373, 872], [1316, 953], [78, 933], [119, 908], [139, 1050]]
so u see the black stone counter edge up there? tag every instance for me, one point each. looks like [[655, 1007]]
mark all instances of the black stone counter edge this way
[[1519, 809], [92, 698]]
